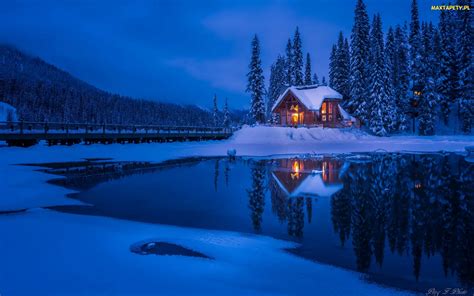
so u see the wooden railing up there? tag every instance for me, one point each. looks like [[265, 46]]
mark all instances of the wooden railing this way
[[24, 133], [21, 127]]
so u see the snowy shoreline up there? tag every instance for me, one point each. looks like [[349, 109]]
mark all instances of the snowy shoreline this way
[[24, 187], [104, 264]]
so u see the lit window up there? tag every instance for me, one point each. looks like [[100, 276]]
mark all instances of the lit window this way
[[323, 108], [295, 170], [324, 118], [417, 93], [294, 118]]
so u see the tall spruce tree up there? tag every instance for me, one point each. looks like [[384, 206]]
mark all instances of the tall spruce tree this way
[[466, 68], [256, 84], [215, 111], [415, 49], [315, 79], [333, 66], [429, 98], [390, 80], [226, 121], [448, 86], [277, 83], [307, 70], [402, 78], [297, 59], [323, 81], [379, 119], [339, 67], [289, 63], [358, 103], [345, 61]]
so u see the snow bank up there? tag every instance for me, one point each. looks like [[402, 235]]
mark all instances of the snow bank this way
[[51, 253], [295, 136], [7, 110]]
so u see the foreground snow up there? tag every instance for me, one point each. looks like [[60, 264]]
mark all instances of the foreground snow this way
[[49, 253], [46, 252]]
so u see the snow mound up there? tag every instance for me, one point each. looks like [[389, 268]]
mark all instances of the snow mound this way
[[7, 112], [289, 135]]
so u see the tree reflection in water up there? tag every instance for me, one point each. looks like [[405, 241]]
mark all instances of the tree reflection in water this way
[[416, 204], [257, 195]]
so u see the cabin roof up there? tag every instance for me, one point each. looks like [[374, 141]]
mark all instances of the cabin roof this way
[[345, 115], [312, 96], [311, 185]]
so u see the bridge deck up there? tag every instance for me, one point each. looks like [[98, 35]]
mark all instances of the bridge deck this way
[[29, 133]]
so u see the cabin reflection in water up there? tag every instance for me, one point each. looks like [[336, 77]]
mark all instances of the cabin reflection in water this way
[[295, 184], [308, 177]]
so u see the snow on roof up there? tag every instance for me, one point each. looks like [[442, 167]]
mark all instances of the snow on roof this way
[[313, 185], [312, 96], [346, 115]]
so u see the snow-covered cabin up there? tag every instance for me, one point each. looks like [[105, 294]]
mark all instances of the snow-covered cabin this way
[[311, 105]]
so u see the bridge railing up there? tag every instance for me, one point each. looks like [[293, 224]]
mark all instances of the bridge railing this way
[[30, 127]]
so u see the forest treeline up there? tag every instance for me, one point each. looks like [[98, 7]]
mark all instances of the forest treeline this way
[[42, 92]]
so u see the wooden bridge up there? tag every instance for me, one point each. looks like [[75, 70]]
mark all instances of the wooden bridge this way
[[24, 134]]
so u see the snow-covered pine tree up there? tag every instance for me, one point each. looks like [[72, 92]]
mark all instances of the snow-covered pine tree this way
[[358, 103], [215, 111], [307, 70], [226, 121], [333, 67], [277, 83], [315, 79], [466, 69], [448, 86], [390, 81], [297, 59], [289, 63], [437, 52], [415, 50], [323, 81], [402, 78], [429, 98], [256, 84], [339, 67], [345, 61], [379, 118]]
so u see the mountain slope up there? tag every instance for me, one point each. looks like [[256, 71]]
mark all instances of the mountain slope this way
[[42, 92]]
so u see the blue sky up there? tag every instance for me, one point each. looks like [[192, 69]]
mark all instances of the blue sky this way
[[181, 51]]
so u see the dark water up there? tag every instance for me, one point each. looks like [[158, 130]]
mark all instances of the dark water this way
[[406, 220]]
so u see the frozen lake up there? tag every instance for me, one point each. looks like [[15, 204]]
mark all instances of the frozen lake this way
[[404, 219]]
